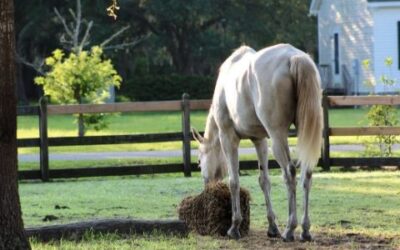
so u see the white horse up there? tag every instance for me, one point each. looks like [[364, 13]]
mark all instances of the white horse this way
[[259, 95]]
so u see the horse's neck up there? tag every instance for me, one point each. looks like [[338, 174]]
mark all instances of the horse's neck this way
[[211, 131]]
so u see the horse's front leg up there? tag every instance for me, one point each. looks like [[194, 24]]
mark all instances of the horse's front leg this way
[[230, 144]]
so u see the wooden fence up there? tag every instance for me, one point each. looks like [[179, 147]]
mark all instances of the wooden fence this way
[[340, 101], [185, 106]]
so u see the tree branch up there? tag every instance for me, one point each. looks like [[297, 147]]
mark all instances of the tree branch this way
[[86, 36], [125, 45], [37, 65], [113, 36], [62, 19], [78, 20]]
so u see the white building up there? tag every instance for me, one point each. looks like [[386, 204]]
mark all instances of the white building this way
[[352, 31]]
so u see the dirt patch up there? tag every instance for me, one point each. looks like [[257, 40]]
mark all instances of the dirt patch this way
[[260, 240]]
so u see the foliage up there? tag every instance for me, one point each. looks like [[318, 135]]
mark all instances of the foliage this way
[[40, 32], [80, 78], [183, 37], [382, 115], [198, 35], [167, 87]]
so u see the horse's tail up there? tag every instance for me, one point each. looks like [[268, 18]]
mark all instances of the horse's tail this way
[[309, 111]]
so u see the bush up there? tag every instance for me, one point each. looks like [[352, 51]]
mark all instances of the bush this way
[[167, 87], [80, 77], [382, 115]]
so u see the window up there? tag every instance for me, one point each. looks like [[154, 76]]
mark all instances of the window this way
[[336, 53], [398, 44]]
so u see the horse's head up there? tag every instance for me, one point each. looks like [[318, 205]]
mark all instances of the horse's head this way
[[211, 160]]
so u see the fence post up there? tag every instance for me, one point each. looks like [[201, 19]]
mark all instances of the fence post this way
[[44, 143], [326, 165], [187, 168]]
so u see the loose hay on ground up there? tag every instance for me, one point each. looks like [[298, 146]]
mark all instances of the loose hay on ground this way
[[209, 213]]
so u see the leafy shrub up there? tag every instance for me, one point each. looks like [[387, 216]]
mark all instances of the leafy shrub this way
[[82, 77], [382, 115]]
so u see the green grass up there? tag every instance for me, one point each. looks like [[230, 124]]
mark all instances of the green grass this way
[[126, 123], [367, 201], [342, 195], [158, 122], [154, 241], [58, 164]]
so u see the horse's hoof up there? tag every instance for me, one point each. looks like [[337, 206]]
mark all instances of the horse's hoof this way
[[288, 237], [273, 232], [305, 236], [234, 233]]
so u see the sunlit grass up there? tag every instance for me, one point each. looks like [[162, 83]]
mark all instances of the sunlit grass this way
[[360, 203], [335, 196], [62, 164], [153, 241], [58, 164], [160, 122], [368, 201]]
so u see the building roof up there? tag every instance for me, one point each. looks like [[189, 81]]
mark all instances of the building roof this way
[[314, 7], [377, 1], [384, 3]]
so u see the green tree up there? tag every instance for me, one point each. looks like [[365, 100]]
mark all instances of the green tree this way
[[39, 32], [184, 37], [197, 32], [80, 78]]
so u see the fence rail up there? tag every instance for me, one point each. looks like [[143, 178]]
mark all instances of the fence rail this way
[[185, 106], [363, 100]]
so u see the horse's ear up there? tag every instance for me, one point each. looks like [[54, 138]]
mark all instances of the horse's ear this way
[[197, 136]]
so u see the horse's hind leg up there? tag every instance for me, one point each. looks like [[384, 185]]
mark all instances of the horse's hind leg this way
[[281, 151], [306, 176], [265, 184]]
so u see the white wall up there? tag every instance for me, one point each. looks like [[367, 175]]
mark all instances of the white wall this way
[[386, 44], [354, 21]]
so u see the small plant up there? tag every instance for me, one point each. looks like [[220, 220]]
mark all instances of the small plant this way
[[78, 78], [382, 115]]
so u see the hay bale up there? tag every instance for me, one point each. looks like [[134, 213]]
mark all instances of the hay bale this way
[[210, 212]]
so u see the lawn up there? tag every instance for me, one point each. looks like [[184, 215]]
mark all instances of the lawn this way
[[157, 122], [63, 164], [344, 205]]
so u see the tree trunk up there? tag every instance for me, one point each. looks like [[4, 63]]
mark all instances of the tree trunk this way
[[12, 235]]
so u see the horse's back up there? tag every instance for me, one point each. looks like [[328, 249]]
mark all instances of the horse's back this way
[[273, 88], [237, 57], [255, 89]]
